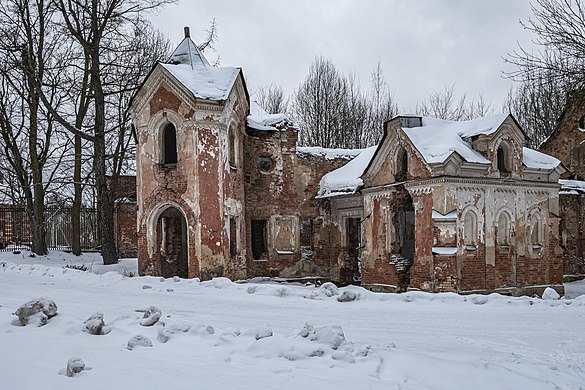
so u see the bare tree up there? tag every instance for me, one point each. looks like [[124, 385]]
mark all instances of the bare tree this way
[[537, 105], [28, 41], [445, 104], [317, 103], [104, 31], [272, 99], [383, 106], [559, 26], [547, 76]]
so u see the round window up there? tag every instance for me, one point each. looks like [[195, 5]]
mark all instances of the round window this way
[[265, 164]]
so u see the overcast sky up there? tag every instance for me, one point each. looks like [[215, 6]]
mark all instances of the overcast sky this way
[[423, 45]]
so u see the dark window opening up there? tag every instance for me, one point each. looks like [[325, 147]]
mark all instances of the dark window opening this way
[[170, 144], [259, 239], [503, 159], [401, 165], [233, 237], [582, 122]]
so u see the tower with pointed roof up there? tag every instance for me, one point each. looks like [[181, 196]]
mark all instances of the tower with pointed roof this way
[[190, 120]]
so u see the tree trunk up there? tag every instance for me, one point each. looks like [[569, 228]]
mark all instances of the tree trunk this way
[[105, 204], [76, 209]]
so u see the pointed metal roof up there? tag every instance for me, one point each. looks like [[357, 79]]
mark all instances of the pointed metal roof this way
[[187, 53]]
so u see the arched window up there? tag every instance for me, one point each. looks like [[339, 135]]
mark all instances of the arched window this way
[[503, 159], [504, 222], [536, 230], [401, 164], [470, 229], [582, 122], [169, 150]]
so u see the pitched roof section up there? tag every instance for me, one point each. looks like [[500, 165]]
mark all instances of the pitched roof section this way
[[187, 53], [190, 67], [347, 179], [537, 160], [437, 139]]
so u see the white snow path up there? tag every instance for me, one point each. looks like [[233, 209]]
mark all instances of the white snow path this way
[[418, 341]]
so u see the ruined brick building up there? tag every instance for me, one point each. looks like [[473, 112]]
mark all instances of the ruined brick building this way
[[224, 190], [567, 143]]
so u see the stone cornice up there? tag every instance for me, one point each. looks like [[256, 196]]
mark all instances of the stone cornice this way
[[486, 182]]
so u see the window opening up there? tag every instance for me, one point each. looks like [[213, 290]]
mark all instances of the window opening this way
[[169, 144], [233, 236], [259, 239]]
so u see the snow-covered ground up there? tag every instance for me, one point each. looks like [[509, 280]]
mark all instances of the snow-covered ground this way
[[217, 334]]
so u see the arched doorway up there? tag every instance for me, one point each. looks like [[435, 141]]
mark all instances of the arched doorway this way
[[171, 229]]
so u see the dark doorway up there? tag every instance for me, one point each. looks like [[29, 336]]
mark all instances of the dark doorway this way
[[172, 243], [259, 247], [353, 239]]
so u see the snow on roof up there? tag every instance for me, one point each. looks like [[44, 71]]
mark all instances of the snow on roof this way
[[261, 120], [437, 139], [189, 66], [346, 179], [572, 186], [329, 154], [538, 160]]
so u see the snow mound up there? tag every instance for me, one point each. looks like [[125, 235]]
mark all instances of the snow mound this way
[[36, 312], [550, 294], [138, 341], [326, 290]]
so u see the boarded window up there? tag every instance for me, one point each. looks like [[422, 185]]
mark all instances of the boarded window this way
[[285, 234], [536, 231], [470, 228], [306, 228], [169, 152], [259, 239], [504, 229], [233, 236], [232, 147]]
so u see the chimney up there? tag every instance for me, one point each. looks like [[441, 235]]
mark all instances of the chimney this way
[[187, 33]]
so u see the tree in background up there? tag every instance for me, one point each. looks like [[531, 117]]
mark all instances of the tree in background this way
[[547, 75], [29, 54], [105, 32], [332, 111], [272, 99], [444, 104]]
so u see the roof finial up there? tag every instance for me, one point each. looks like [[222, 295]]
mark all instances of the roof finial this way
[[187, 33]]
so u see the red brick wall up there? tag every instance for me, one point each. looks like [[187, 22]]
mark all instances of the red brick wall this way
[[572, 228], [126, 234], [567, 142], [289, 189]]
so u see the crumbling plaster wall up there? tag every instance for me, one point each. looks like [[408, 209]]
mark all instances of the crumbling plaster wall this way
[[199, 185], [486, 265], [283, 194]]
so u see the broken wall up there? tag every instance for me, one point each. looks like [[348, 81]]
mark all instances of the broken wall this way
[[284, 221]]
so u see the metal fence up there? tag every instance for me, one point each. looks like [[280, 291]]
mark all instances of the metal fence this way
[[15, 229]]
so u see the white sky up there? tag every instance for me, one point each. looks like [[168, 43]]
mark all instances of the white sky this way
[[423, 45]]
